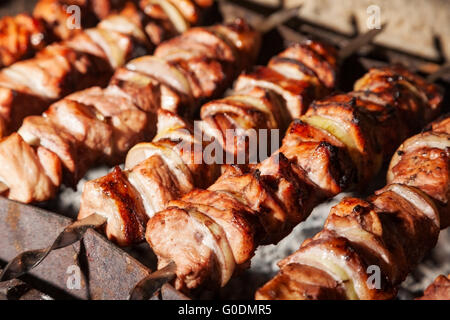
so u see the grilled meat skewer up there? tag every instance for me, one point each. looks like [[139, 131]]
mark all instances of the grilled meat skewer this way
[[55, 20], [174, 163], [340, 142], [87, 59], [23, 35], [103, 124], [391, 230]]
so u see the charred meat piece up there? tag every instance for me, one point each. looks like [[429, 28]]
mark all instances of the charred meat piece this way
[[103, 124], [177, 161], [393, 230], [438, 290], [340, 142], [20, 37]]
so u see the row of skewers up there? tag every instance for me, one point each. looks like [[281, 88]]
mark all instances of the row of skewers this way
[[209, 224], [85, 57], [24, 35]]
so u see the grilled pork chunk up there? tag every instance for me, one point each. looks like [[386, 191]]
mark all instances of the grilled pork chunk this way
[[438, 290], [174, 164], [101, 125], [337, 144], [393, 230], [20, 37]]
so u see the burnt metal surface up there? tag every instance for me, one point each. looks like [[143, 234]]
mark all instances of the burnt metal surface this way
[[106, 272], [18, 290]]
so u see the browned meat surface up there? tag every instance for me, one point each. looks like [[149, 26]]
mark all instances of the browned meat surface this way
[[173, 164], [337, 144], [297, 94], [413, 96], [56, 16], [318, 57], [301, 282], [438, 290], [86, 58], [113, 193], [30, 173], [101, 125], [20, 37], [55, 72], [393, 229]]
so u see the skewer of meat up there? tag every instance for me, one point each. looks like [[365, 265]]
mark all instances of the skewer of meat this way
[[101, 125], [175, 163], [390, 232], [19, 265], [341, 141], [87, 59], [23, 35], [438, 290], [266, 98]]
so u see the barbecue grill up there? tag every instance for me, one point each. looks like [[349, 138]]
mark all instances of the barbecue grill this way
[[109, 272]]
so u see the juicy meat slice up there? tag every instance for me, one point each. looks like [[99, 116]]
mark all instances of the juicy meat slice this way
[[207, 78], [326, 165], [244, 38], [82, 42], [357, 221], [143, 90], [318, 57], [29, 174], [56, 16], [297, 94], [353, 122], [414, 232], [130, 125], [55, 72], [85, 124], [115, 198], [301, 282], [418, 101], [41, 131], [237, 222], [191, 255], [20, 37], [438, 290], [12, 110], [427, 169], [212, 44], [326, 252], [156, 184]]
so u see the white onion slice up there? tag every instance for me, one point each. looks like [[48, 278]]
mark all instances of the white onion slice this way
[[418, 199], [163, 71], [216, 240], [143, 151], [177, 19], [122, 25]]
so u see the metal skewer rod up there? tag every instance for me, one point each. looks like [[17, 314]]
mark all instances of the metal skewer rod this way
[[445, 69], [29, 260]]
